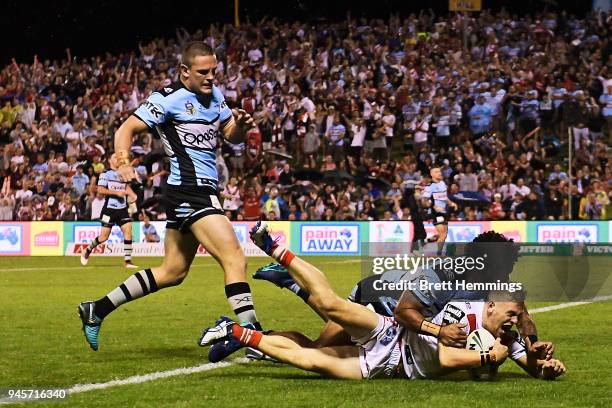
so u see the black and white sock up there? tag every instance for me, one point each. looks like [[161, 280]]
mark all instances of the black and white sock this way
[[241, 301], [92, 245], [295, 288], [136, 286], [127, 250]]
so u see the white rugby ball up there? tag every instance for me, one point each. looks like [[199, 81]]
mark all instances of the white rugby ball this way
[[482, 340]]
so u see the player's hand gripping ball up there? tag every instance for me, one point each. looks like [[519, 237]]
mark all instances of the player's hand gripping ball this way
[[482, 340]]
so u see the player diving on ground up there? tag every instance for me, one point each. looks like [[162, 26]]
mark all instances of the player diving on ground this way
[[383, 348], [413, 309]]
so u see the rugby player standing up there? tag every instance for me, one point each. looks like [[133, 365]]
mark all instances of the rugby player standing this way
[[435, 197], [187, 115], [118, 207]]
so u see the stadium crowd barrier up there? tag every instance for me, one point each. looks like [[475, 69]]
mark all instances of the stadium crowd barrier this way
[[49, 238]]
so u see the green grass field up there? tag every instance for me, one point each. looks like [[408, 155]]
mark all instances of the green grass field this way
[[41, 345]]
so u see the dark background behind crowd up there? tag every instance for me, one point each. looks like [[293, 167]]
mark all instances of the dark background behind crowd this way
[[351, 112]]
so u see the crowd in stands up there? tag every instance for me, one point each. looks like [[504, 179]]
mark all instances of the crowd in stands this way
[[350, 117]]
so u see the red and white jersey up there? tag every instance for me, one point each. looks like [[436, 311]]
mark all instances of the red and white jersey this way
[[420, 352]]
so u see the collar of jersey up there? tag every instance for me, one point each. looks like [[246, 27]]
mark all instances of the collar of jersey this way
[[203, 99]]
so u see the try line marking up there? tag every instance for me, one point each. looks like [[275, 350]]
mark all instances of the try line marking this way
[[570, 304], [139, 379]]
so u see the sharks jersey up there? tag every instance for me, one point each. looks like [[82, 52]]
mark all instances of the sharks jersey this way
[[111, 181], [188, 125], [437, 194]]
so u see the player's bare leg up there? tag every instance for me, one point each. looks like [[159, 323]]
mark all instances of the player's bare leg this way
[[180, 250], [217, 235], [335, 362], [100, 239], [442, 230], [127, 245], [279, 276], [332, 335], [356, 319]]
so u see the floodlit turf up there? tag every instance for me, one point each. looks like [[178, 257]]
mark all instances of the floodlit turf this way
[[41, 345]]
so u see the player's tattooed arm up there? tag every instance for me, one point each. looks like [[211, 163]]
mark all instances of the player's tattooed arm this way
[[527, 328], [410, 313], [236, 127]]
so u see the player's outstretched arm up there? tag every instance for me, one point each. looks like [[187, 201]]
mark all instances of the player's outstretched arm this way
[[458, 359], [546, 369], [543, 369], [123, 142], [543, 349]]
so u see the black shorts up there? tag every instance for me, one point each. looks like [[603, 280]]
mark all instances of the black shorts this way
[[112, 216], [439, 218], [186, 205]]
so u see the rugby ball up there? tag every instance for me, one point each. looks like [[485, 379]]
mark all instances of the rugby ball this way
[[481, 340]]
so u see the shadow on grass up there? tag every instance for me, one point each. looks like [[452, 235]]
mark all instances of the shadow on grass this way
[[271, 371]]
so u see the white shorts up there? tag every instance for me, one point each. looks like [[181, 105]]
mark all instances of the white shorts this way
[[380, 351]]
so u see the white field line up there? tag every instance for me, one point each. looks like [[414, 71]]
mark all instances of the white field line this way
[[139, 379], [570, 304]]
